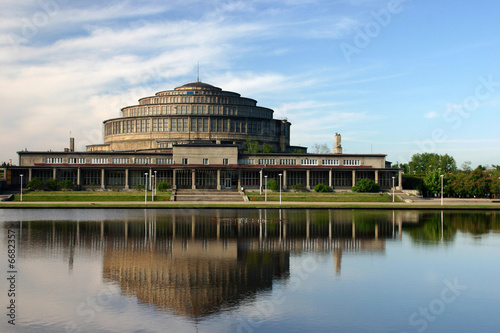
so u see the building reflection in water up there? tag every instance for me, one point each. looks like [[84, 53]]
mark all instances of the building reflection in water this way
[[196, 264]]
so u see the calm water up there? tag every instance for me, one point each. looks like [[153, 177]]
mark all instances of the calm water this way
[[251, 271]]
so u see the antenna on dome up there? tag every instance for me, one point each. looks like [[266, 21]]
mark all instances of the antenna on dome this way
[[198, 76]]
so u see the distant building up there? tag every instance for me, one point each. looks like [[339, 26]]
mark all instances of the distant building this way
[[197, 136]]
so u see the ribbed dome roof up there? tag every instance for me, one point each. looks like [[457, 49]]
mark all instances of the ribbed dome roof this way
[[198, 85]]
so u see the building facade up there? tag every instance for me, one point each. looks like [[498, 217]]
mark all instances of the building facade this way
[[198, 136]]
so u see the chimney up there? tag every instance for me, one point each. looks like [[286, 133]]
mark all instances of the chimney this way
[[71, 144], [337, 146]]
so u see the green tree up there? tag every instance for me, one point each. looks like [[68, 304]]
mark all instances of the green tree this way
[[366, 185], [272, 184], [477, 183], [457, 184], [426, 162], [432, 182], [252, 147], [267, 148]]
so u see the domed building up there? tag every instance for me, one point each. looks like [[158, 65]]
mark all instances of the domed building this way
[[198, 136], [194, 113]]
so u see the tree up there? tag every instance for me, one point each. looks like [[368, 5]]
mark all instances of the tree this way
[[267, 148], [466, 166], [477, 184], [252, 147], [425, 162], [366, 185], [320, 149], [432, 181]]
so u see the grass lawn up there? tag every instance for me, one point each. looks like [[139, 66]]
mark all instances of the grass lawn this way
[[90, 196], [323, 197]]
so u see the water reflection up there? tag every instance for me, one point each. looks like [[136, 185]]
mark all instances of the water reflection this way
[[195, 263]]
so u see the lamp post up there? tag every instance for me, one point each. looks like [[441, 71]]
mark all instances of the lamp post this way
[[265, 191], [280, 187], [21, 187], [153, 181], [156, 180], [442, 181], [393, 178], [146, 189]]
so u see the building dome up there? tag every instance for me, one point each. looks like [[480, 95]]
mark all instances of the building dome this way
[[195, 112], [198, 85]]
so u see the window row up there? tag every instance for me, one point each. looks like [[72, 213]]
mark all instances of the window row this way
[[101, 160], [197, 99], [139, 111], [194, 125]]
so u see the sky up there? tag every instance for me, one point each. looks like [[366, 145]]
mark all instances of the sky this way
[[395, 77]]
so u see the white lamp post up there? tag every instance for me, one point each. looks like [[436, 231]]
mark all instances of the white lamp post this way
[[153, 181], [156, 180], [21, 187], [146, 189], [442, 180], [393, 178], [280, 187], [265, 191]]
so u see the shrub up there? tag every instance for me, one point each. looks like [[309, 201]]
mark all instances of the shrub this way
[[366, 185], [298, 187], [52, 185], [163, 186], [35, 184], [320, 188], [272, 184], [140, 187], [66, 185]]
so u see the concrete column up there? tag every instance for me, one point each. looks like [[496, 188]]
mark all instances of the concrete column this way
[[400, 180], [330, 174], [308, 179], [353, 177], [193, 179], [150, 175], [174, 181], [239, 180], [284, 180], [78, 177], [376, 176], [54, 173], [102, 179], [127, 186], [30, 174], [218, 180]]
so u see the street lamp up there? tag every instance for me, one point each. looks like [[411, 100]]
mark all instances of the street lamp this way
[[280, 187], [21, 187], [265, 191], [156, 180], [393, 179], [442, 180], [152, 190], [146, 189]]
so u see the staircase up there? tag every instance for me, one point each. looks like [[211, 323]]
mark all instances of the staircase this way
[[208, 195]]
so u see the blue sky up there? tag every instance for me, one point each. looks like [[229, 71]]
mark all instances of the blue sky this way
[[393, 77]]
